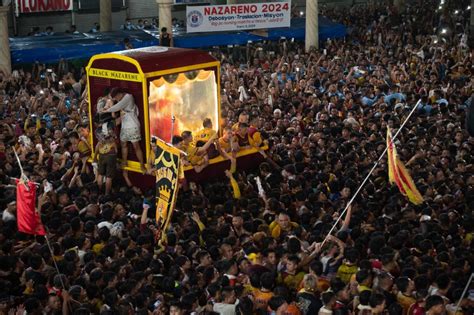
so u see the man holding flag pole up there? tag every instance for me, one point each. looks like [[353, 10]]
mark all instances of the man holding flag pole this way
[[395, 168]]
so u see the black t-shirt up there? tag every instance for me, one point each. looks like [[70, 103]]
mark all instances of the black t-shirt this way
[[308, 303], [390, 298], [36, 276], [165, 40]]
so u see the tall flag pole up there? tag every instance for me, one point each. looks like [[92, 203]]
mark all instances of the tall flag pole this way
[[369, 174]]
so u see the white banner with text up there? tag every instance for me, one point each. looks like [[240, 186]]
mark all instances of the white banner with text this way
[[236, 17]]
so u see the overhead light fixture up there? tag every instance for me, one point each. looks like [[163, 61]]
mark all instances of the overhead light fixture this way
[[301, 13], [444, 31], [456, 12], [468, 7]]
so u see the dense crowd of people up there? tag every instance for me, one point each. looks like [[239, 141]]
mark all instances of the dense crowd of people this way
[[324, 114]]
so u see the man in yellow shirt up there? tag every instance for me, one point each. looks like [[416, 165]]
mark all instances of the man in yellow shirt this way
[[196, 156], [247, 137], [206, 133], [243, 118], [405, 296], [226, 141], [264, 294], [348, 268], [291, 277], [203, 136], [282, 226], [84, 146], [364, 278]]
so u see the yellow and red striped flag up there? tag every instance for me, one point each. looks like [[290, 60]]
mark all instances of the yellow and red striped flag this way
[[398, 174]]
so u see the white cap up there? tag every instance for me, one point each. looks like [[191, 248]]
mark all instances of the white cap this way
[[106, 224]]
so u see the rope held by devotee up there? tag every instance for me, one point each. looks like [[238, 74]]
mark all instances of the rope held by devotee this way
[[56, 265], [464, 292], [370, 173], [25, 178], [54, 260]]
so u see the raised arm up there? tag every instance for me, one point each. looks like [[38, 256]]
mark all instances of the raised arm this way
[[233, 184], [314, 250], [347, 219], [144, 216], [127, 99], [203, 149], [340, 244]]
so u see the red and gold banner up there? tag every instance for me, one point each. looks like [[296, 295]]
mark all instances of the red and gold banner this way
[[398, 174]]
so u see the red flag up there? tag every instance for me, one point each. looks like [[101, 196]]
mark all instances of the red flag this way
[[28, 218], [398, 174]]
